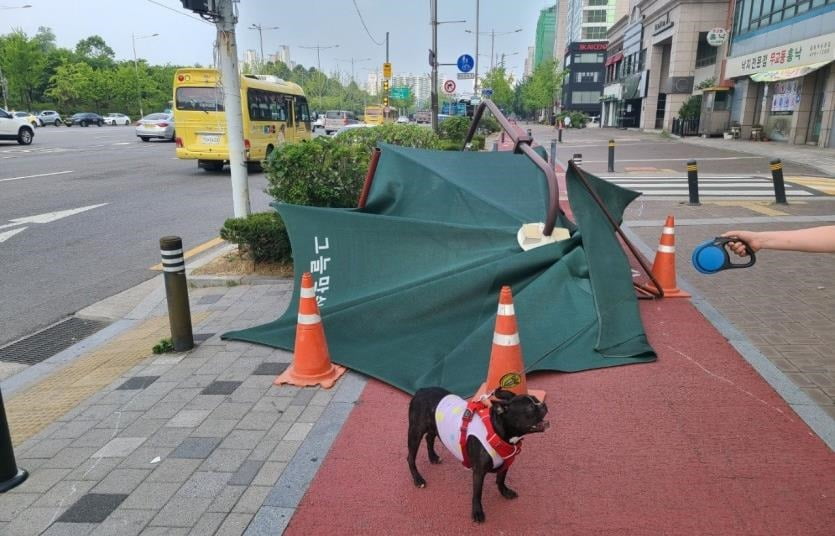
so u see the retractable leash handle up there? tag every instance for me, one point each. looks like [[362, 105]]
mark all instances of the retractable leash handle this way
[[713, 256]]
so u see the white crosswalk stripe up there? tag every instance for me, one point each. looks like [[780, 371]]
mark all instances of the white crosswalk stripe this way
[[708, 186]]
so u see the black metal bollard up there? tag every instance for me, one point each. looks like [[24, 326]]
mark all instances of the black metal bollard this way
[[779, 185], [559, 134], [528, 131], [10, 474], [693, 182], [578, 159], [176, 292], [554, 153], [611, 156]]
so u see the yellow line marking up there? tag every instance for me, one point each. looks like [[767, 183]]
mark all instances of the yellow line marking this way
[[761, 207], [820, 184], [35, 408], [194, 251]]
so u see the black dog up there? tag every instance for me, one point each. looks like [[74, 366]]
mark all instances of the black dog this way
[[434, 411]]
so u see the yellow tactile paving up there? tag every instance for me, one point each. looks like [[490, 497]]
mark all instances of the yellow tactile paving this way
[[761, 207], [821, 184], [35, 408]]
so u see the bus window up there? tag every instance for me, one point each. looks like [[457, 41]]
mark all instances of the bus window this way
[[204, 99], [302, 112], [266, 106]]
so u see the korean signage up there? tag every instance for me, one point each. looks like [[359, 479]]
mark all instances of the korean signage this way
[[815, 50], [785, 95], [662, 24], [593, 46]]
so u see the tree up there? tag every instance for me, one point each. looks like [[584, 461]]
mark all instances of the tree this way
[[543, 86], [45, 39], [21, 61], [501, 83], [95, 51]]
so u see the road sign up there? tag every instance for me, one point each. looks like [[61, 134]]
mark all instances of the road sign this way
[[486, 92], [387, 70], [449, 87], [466, 76], [401, 92], [465, 63]]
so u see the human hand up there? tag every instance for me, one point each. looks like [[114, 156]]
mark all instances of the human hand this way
[[749, 237]]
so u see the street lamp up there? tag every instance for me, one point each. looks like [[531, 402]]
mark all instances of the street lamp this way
[[433, 56], [492, 33], [260, 29], [134, 37], [318, 48], [25, 6], [353, 60]]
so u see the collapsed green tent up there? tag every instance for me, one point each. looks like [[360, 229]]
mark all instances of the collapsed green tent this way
[[408, 286]]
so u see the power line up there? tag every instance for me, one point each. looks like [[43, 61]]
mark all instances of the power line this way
[[169, 8], [366, 27]]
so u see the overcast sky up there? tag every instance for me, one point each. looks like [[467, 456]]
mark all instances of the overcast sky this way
[[184, 40]]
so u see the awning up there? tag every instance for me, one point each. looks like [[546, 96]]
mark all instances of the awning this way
[[786, 74], [615, 58]]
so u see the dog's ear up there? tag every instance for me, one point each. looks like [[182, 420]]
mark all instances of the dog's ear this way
[[503, 395]]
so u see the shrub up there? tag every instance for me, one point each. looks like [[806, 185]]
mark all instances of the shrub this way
[[262, 235], [455, 128], [405, 135], [691, 108]]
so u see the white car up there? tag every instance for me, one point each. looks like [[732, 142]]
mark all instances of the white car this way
[[352, 126], [15, 128], [319, 122], [116, 119], [402, 120]]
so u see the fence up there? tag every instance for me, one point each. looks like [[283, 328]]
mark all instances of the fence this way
[[685, 127]]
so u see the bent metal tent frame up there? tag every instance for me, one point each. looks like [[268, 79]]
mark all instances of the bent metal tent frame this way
[[408, 282]]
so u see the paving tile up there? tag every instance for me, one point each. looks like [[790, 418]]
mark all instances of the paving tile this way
[[269, 520], [151, 495], [63, 494], [235, 524], [311, 414], [188, 418], [252, 499], [144, 426], [69, 458], [167, 437], [260, 420], [217, 428], [196, 447], [270, 368], [284, 451], [92, 508], [181, 512], [94, 469], [221, 388], [208, 524], [174, 470], [47, 448], [13, 504], [298, 431], [165, 531], [269, 474], [303, 397], [73, 429], [246, 473], [138, 382], [119, 447], [225, 460], [121, 481], [227, 498], [41, 481], [70, 529], [203, 484], [242, 439], [231, 410], [30, 522], [124, 522], [119, 420], [144, 456]]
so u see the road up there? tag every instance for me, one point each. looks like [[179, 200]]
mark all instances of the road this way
[[104, 199]]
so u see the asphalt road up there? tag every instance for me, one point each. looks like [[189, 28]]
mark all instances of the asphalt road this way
[[131, 193]]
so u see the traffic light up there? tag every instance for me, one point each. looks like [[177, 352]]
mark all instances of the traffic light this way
[[385, 86], [385, 100]]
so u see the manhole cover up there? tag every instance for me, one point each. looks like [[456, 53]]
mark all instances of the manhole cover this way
[[48, 342]]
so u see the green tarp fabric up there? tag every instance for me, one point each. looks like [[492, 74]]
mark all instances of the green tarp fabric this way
[[408, 287]]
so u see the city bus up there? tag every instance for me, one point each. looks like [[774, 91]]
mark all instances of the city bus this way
[[376, 114], [274, 112]]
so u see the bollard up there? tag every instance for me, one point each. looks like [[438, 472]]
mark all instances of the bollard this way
[[559, 134], [779, 185], [693, 182], [578, 159], [502, 137], [495, 146], [176, 292], [10, 474], [554, 153], [611, 156], [529, 132]]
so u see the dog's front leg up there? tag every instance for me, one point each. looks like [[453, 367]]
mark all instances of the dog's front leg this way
[[506, 492]]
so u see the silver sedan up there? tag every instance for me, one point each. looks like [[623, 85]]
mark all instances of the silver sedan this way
[[157, 125]]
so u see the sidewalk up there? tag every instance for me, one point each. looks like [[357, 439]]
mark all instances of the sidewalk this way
[[120, 441]]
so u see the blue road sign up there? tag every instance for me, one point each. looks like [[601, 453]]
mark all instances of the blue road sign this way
[[465, 63], [487, 92]]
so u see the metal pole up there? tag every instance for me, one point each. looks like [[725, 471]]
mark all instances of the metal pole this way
[[136, 71], [559, 133], [261, 42], [553, 154], [611, 156], [693, 182], [475, 84], [492, 45], [176, 292], [434, 93], [779, 185], [387, 47], [231, 84], [495, 146], [10, 474]]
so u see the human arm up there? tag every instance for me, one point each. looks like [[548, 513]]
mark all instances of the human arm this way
[[813, 240]]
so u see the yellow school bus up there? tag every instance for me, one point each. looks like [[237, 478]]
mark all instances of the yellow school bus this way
[[377, 114], [274, 112]]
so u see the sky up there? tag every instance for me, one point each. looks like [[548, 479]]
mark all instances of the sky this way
[[185, 40]]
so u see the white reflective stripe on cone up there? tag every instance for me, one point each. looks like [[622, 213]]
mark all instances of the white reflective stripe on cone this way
[[309, 319], [669, 230], [666, 249], [307, 293], [506, 309], [506, 340]]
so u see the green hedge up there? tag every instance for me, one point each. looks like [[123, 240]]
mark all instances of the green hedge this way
[[262, 235]]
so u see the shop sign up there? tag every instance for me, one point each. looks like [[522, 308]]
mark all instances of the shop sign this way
[[585, 47], [717, 36], [815, 50], [613, 91], [662, 25], [785, 95]]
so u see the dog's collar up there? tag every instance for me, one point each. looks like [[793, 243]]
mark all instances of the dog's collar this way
[[507, 450]]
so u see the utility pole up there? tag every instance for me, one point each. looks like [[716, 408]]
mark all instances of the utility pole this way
[[434, 93], [475, 84], [353, 60], [231, 85], [136, 70], [318, 48], [260, 29]]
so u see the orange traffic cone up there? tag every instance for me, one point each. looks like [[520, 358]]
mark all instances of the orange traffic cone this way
[[311, 359], [507, 368], [664, 265]]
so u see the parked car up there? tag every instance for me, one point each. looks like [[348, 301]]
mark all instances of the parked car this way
[[319, 122], [50, 117], [84, 119], [15, 128], [336, 119], [116, 119], [29, 117], [403, 120], [157, 125]]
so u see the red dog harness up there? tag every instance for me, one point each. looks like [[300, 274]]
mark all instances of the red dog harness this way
[[507, 451]]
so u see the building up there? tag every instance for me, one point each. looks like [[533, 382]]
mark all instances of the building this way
[[658, 57], [250, 56], [528, 63], [545, 31], [372, 83], [282, 55], [779, 66], [560, 32], [419, 84]]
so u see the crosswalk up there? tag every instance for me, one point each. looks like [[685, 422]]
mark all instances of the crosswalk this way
[[725, 186]]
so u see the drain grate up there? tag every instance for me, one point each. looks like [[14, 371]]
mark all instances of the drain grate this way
[[48, 342]]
